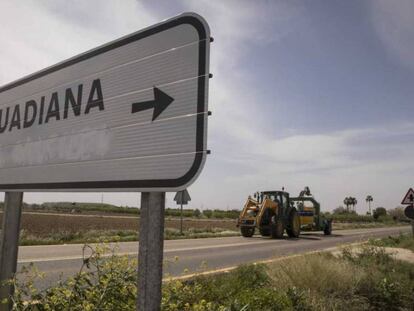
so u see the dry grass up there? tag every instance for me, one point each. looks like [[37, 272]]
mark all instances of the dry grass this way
[[367, 280], [328, 282]]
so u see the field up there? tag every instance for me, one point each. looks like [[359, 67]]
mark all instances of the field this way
[[58, 228], [49, 228]]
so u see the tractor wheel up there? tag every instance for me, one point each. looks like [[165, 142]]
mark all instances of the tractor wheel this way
[[247, 232], [327, 230], [264, 231], [293, 228], [276, 228]]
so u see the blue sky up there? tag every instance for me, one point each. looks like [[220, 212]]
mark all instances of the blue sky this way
[[305, 93]]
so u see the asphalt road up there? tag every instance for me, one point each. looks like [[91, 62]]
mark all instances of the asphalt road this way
[[195, 255]]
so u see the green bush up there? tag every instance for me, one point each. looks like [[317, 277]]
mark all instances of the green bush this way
[[246, 288], [388, 283], [90, 236], [378, 212], [355, 218], [176, 212], [103, 283]]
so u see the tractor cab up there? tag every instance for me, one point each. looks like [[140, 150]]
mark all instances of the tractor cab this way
[[273, 195], [281, 198]]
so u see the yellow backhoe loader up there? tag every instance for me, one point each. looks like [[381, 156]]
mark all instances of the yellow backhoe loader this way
[[273, 212]]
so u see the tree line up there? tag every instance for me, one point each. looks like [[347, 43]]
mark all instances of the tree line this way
[[79, 208]]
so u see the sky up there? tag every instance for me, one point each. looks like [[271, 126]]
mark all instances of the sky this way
[[304, 93]]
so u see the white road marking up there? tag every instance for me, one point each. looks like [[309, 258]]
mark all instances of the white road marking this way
[[23, 261]]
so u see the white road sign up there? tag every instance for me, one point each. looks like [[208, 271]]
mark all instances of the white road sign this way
[[127, 116]]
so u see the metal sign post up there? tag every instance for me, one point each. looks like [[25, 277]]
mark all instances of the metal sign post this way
[[181, 219], [182, 197], [150, 254], [412, 218], [409, 210], [409, 213], [9, 244]]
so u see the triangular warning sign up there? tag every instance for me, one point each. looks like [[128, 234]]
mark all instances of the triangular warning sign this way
[[409, 197]]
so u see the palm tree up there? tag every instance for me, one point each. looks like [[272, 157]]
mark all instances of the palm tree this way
[[347, 203], [369, 199], [353, 202]]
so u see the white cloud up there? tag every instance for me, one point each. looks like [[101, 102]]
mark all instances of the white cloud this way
[[39, 34], [239, 28], [376, 161]]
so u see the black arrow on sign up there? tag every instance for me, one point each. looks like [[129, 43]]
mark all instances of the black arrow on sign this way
[[411, 197], [160, 102]]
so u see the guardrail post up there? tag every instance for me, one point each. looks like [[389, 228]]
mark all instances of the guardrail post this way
[[151, 247], [9, 244]]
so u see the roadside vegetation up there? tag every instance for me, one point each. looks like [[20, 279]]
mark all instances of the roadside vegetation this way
[[346, 218], [401, 241], [366, 280], [105, 236]]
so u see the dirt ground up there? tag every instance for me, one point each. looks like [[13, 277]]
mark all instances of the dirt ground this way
[[44, 224]]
